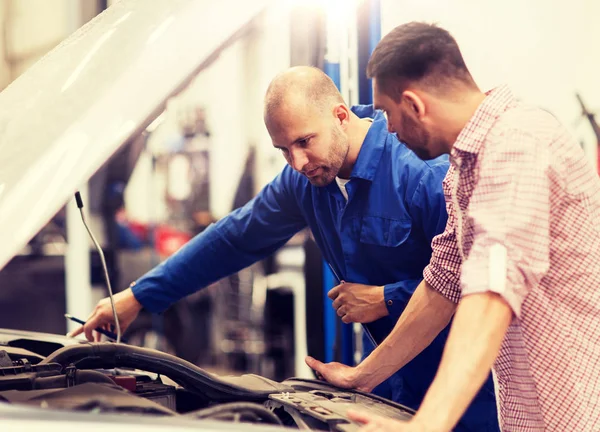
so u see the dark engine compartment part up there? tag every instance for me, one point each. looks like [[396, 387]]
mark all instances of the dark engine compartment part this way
[[244, 412], [111, 378], [87, 397]]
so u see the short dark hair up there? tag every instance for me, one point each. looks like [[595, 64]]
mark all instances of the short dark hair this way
[[419, 52]]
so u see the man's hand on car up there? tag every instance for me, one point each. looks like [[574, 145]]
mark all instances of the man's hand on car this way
[[358, 303], [338, 374], [127, 308]]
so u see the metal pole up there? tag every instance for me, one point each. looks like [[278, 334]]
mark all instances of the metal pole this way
[[78, 286], [340, 66], [77, 264]]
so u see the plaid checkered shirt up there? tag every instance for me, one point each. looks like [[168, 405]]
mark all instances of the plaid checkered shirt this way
[[524, 221]]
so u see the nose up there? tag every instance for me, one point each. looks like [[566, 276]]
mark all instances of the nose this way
[[298, 159]]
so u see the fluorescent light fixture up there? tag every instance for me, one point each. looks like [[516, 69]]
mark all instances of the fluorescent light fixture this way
[[339, 13]]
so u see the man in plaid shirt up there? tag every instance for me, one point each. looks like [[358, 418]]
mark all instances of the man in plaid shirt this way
[[518, 265]]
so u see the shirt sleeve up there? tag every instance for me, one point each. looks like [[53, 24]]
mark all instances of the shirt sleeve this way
[[509, 213], [245, 236], [443, 270], [397, 295]]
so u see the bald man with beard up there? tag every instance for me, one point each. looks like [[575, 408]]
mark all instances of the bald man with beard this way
[[371, 204]]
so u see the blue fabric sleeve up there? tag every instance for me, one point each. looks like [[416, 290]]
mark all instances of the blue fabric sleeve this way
[[242, 238], [398, 294]]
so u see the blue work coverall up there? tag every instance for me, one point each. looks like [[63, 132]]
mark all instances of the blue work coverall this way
[[380, 236]]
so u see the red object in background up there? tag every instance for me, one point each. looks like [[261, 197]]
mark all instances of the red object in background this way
[[168, 240], [140, 230]]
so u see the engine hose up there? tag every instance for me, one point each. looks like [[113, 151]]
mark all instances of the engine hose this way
[[81, 377], [105, 355]]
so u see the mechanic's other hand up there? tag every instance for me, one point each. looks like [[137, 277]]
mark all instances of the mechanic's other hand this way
[[372, 423], [127, 308], [336, 373], [358, 303]]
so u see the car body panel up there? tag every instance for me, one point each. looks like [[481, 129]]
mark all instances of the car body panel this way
[[74, 108]]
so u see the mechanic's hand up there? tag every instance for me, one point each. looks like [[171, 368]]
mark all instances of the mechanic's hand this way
[[337, 374], [358, 303], [127, 310], [372, 423]]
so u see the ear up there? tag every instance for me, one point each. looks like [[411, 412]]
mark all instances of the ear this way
[[414, 103], [341, 114]]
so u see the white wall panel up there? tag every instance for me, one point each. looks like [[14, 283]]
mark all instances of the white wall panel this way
[[545, 50]]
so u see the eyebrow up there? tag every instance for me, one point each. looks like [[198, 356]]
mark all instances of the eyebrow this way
[[302, 138]]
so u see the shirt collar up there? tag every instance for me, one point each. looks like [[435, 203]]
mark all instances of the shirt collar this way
[[372, 147], [472, 136]]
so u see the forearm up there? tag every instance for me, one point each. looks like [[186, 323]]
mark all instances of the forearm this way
[[425, 316], [477, 332], [205, 259]]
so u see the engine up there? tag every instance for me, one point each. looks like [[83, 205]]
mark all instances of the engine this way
[[111, 378]]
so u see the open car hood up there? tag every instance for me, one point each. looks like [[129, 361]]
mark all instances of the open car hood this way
[[64, 117]]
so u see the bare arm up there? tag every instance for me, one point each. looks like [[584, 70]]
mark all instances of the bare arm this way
[[426, 314], [479, 327], [477, 332]]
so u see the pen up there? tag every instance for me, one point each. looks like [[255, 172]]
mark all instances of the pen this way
[[98, 329]]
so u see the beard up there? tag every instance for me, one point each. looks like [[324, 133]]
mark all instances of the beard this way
[[416, 138], [335, 159]]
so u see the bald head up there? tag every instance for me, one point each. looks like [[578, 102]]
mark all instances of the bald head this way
[[300, 87]]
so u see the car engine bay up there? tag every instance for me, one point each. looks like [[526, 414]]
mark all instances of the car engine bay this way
[[122, 379]]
